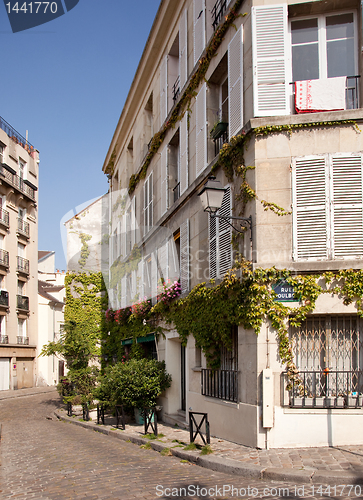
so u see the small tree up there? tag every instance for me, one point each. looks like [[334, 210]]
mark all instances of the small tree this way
[[77, 348]]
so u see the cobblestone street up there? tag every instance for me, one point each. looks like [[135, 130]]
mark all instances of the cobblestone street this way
[[47, 459]]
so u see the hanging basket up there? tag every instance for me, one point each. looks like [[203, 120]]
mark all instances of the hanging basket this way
[[218, 130]]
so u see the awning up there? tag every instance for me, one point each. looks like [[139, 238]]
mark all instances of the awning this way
[[149, 338]]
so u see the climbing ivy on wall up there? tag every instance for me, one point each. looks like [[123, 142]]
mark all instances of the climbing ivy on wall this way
[[86, 299]]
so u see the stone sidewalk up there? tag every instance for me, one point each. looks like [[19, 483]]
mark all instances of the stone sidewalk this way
[[333, 465]]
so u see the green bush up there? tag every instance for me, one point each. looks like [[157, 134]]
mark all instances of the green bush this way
[[135, 384]]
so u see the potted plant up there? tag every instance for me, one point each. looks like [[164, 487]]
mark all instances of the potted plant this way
[[218, 129]]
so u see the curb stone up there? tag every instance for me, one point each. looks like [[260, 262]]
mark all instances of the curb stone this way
[[228, 465], [290, 475]]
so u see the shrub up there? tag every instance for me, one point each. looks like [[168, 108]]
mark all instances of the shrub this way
[[135, 384]]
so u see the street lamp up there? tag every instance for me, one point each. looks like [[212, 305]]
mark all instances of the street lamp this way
[[211, 197]]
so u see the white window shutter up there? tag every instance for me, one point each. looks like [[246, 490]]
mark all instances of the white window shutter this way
[[123, 292], [123, 235], [235, 83], [212, 247], [133, 284], [133, 222], [164, 180], [154, 275], [270, 60], [183, 151], [311, 234], [184, 256], [140, 279], [173, 261], [201, 129], [163, 89], [163, 261], [225, 235], [199, 28], [347, 206], [183, 46], [220, 233]]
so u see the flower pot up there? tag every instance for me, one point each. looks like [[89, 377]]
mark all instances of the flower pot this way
[[218, 130], [139, 416]]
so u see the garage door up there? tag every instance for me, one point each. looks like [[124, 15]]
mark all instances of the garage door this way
[[4, 374]]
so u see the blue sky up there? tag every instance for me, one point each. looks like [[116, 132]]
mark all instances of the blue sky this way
[[66, 82]]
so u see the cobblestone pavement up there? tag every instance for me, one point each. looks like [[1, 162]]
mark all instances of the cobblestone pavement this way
[[43, 458], [345, 458]]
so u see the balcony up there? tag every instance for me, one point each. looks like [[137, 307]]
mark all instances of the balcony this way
[[4, 298], [221, 384], [22, 303], [23, 228], [4, 258], [15, 136], [326, 389], [311, 94], [217, 12], [22, 265], [17, 182], [22, 340], [4, 339], [4, 218]]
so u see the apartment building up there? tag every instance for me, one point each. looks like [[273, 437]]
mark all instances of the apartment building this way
[[19, 169], [284, 75], [51, 301]]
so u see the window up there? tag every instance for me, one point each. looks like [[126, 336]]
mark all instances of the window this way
[[328, 353], [148, 203], [327, 206], [223, 383], [2, 149], [323, 47], [21, 328], [220, 250]]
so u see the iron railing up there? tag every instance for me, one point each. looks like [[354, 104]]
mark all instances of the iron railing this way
[[23, 227], [218, 143], [217, 12], [4, 258], [4, 339], [22, 302], [15, 136], [17, 182], [221, 384], [351, 92], [176, 191], [176, 89], [326, 389], [22, 340], [4, 298], [22, 265], [4, 217]]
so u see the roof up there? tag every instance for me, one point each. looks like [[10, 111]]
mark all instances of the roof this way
[[45, 287], [43, 254]]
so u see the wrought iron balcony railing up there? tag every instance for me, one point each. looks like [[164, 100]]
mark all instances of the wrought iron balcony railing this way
[[23, 227], [15, 181], [4, 217], [176, 89], [15, 136], [4, 298], [22, 340], [352, 97], [217, 12], [4, 339], [22, 302], [326, 389], [4, 258], [221, 384], [176, 191], [22, 265]]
